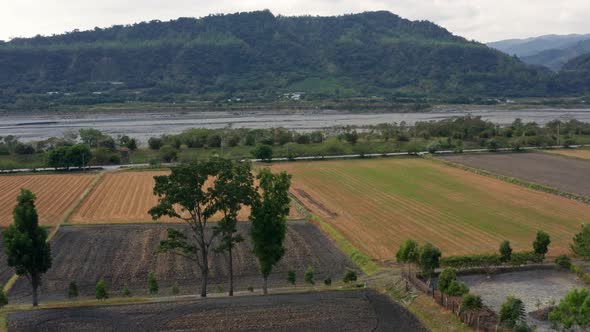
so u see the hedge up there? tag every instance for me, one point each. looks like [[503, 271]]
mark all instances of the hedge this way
[[484, 260]]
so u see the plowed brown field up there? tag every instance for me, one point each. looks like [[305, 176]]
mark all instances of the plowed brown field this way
[[578, 153], [55, 194], [377, 204], [125, 197]]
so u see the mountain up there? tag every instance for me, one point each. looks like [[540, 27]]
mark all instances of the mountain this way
[[258, 56], [575, 74], [535, 45], [554, 59]]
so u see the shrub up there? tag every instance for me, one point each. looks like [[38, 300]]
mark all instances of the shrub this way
[[3, 297], [308, 276], [126, 291], [573, 311], [471, 302], [512, 312], [152, 283], [433, 147], [328, 281], [524, 257], [457, 288], [168, 154], [72, 290], [541, 243], [505, 251], [155, 143], [250, 289], [101, 290], [175, 289], [461, 262], [581, 245], [492, 145], [429, 259], [349, 276], [446, 277], [564, 261], [291, 277]]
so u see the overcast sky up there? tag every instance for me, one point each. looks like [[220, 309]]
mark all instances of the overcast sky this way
[[482, 20]]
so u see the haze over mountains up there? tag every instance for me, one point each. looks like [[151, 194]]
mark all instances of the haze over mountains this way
[[551, 51], [257, 56]]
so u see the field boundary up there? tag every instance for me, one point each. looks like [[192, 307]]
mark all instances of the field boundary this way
[[363, 261], [516, 181], [564, 155], [66, 217]]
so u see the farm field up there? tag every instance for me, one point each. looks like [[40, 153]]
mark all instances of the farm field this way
[[566, 174], [377, 204], [359, 310], [576, 153], [125, 254], [123, 197], [55, 194]]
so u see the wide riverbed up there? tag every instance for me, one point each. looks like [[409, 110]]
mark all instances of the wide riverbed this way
[[148, 123]]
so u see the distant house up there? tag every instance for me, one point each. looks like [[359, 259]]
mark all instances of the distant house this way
[[294, 95]]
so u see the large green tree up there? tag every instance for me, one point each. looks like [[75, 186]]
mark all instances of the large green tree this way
[[26, 243], [269, 213], [185, 195], [429, 259], [541, 243], [573, 310], [233, 188]]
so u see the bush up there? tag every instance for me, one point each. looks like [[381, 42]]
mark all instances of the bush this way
[[328, 281], [457, 288], [349, 276], [250, 289], [152, 283], [168, 154], [262, 152], [573, 311], [291, 277], [505, 251], [471, 302], [155, 143], [308, 276], [22, 148], [433, 147], [3, 297], [524, 257], [512, 312], [541, 243], [563, 261], [468, 261], [126, 291], [101, 290], [492, 145], [175, 289], [429, 259], [581, 245], [72, 290], [446, 277]]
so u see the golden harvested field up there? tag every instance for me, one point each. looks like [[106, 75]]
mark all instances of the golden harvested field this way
[[55, 194], [377, 204], [577, 153], [124, 197]]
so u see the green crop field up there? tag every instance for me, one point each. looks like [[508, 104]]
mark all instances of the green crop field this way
[[379, 203]]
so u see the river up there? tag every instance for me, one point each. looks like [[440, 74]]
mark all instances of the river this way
[[145, 124]]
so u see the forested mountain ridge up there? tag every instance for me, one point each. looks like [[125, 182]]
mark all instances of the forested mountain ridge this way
[[259, 56]]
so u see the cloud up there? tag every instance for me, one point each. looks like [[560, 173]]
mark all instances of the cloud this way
[[483, 20]]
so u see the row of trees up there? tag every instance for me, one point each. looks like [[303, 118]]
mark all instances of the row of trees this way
[[186, 194]]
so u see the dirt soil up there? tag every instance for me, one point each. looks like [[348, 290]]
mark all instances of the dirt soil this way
[[360, 310], [566, 174], [55, 194], [125, 254]]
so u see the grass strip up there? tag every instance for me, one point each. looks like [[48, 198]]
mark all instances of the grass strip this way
[[516, 181], [367, 265]]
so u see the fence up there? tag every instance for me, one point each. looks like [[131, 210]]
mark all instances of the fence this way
[[483, 319]]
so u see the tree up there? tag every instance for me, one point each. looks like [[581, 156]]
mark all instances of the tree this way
[[262, 152], [155, 143], [58, 157], [91, 136], [429, 259], [505, 251], [270, 208], [233, 188], [408, 253], [512, 312], [73, 290], [101, 290], [168, 153], [308, 276], [469, 304], [132, 144], [152, 284], [581, 245], [185, 195], [445, 278], [26, 243], [349, 276], [79, 155], [541, 243], [291, 277], [573, 310]]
